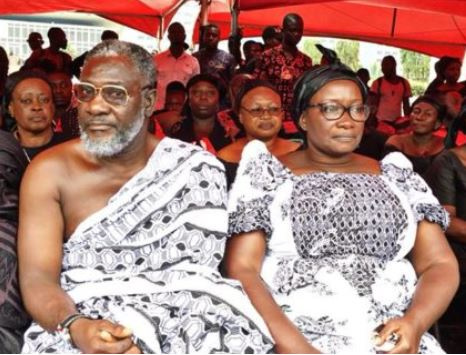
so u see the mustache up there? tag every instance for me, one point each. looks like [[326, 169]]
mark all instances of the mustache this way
[[95, 122]]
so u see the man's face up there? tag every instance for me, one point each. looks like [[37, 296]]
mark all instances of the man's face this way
[[176, 34], [175, 100], [211, 37], [388, 66], [35, 42], [62, 89], [203, 100], [59, 39], [293, 30], [107, 129]]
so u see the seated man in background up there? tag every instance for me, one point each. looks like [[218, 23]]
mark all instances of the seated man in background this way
[[135, 231], [13, 319]]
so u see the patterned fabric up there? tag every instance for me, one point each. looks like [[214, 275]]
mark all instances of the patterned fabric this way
[[283, 71], [336, 243], [13, 319], [149, 260]]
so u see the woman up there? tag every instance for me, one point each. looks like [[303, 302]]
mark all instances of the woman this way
[[451, 70], [421, 146], [201, 125], [321, 236], [29, 101], [259, 107]]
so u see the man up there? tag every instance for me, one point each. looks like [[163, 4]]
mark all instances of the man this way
[[271, 36], [174, 64], [283, 65], [392, 92], [252, 52], [35, 43], [135, 230], [66, 114], [13, 319], [78, 62], [214, 61], [52, 58]]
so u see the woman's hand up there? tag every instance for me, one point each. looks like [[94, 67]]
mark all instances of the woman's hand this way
[[101, 336], [407, 332]]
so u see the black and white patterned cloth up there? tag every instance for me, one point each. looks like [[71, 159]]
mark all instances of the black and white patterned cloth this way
[[149, 259], [337, 244]]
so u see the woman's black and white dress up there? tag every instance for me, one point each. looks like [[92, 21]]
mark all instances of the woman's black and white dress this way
[[337, 244]]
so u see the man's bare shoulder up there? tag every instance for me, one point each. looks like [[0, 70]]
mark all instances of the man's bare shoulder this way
[[55, 161]]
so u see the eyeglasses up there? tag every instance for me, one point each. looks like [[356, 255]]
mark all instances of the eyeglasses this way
[[260, 111], [113, 94], [333, 111]]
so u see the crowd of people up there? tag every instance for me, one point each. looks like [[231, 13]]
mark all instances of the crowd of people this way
[[219, 202]]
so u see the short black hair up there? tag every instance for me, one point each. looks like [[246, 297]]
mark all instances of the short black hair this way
[[175, 86], [108, 34], [12, 82], [211, 79], [251, 85]]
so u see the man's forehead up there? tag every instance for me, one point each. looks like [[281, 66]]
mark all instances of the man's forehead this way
[[116, 69]]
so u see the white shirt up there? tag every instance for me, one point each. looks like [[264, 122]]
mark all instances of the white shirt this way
[[391, 98], [171, 69]]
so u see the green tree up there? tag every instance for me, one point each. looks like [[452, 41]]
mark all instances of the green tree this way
[[416, 70], [348, 52], [309, 47], [415, 65]]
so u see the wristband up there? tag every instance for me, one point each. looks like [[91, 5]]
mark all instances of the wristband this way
[[63, 328]]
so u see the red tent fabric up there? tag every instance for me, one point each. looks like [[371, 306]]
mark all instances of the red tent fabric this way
[[143, 15], [432, 27]]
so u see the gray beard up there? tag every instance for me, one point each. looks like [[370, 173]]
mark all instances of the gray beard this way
[[111, 147]]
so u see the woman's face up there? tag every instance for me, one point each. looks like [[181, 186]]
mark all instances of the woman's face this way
[[261, 113], [333, 138], [32, 105], [424, 118]]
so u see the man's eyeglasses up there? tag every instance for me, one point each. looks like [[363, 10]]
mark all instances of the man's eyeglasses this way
[[333, 111], [113, 94], [260, 111]]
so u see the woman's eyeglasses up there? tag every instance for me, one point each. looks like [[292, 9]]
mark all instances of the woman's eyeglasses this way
[[261, 111], [333, 111]]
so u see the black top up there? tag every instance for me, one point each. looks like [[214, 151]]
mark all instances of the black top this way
[[420, 164], [447, 178], [217, 137], [57, 138]]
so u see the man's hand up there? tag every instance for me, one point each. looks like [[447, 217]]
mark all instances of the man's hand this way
[[101, 336]]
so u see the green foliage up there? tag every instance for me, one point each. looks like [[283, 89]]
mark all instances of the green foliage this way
[[375, 70], [417, 87], [348, 52], [415, 65], [309, 47]]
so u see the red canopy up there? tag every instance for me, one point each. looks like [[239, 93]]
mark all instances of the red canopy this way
[[432, 27], [143, 15]]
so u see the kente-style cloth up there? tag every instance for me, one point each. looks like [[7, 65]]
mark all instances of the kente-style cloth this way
[[13, 319], [337, 244], [149, 259]]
